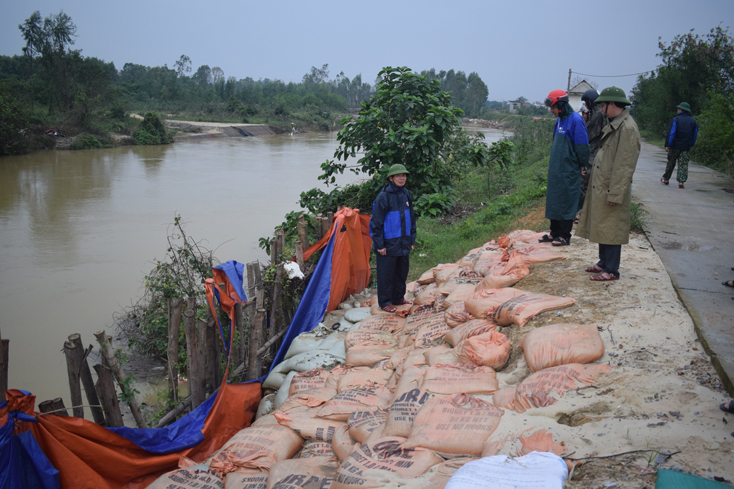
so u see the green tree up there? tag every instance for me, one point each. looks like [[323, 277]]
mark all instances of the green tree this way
[[183, 66], [12, 124]]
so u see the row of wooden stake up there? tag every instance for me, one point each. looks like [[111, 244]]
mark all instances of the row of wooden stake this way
[[203, 350]]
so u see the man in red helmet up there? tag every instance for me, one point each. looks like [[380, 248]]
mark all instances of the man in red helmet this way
[[569, 155]]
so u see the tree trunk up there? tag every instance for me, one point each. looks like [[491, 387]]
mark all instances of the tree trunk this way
[[87, 381], [54, 406], [192, 353], [73, 366], [108, 396], [174, 330]]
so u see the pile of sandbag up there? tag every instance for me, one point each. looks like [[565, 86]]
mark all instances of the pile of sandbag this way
[[382, 398]]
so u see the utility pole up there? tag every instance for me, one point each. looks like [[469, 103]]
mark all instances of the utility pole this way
[[569, 81]]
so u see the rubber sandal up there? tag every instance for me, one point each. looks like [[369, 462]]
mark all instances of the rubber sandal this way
[[599, 277], [560, 242], [546, 239], [389, 308], [595, 269], [680, 185], [728, 283], [728, 407], [664, 181], [402, 302]]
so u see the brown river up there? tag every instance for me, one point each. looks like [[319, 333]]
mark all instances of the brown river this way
[[79, 230]]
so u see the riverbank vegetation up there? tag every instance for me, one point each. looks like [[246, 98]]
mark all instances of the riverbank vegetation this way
[[698, 69]]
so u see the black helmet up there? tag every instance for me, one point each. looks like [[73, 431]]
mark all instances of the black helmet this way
[[590, 96]]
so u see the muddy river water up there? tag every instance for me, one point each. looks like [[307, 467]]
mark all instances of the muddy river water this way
[[79, 230]]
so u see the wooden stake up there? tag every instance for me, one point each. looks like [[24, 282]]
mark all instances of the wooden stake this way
[[108, 397], [174, 330], [212, 353], [299, 254], [239, 327], [325, 225], [302, 233], [201, 337], [192, 353], [56, 405], [73, 366], [4, 364], [106, 349], [256, 331], [87, 382]]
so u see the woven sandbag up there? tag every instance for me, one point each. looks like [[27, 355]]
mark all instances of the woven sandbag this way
[[358, 336], [454, 425], [311, 398], [538, 253], [256, 447], [353, 400], [520, 309], [539, 441], [491, 349], [509, 274], [456, 314], [541, 388], [370, 352], [487, 261], [484, 301], [305, 422], [315, 472], [385, 322], [246, 479], [362, 424], [363, 377], [310, 379], [189, 478], [505, 397], [458, 378], [559, 344], [408, 401], [468, 329], [372, 464], [431, 328], [342, 443], [440, 354], [443, 273], [316, 448]]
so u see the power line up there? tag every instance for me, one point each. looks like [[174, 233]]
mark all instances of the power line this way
[[611, 76]]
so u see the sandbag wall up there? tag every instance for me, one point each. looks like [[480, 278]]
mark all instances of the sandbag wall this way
[[379, 399]]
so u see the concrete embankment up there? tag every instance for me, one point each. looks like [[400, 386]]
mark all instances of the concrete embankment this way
[[213, 130]]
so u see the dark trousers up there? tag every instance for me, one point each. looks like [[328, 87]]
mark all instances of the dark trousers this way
[[561, 229], [609, 256], [392, 272]]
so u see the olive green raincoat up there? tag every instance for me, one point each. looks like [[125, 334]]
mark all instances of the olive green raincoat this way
[[611, 180]]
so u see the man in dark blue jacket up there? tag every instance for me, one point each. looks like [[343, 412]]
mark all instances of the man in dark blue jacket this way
[[392, 227], [681, 137]]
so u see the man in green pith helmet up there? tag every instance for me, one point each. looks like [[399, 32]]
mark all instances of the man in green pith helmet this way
[[679, 140], [605, 218], [392, 227]]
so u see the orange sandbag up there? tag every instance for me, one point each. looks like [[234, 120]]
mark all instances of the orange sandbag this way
[[311, 398], [316, 448], [333, 379], [311, 379], [445, 471], [460, 293], [541, 388], [470, 259], [431, 328], [298, 473], [559, 344], [247, 479], [383, 322], [511, 273], [343, 444], [188, 479], [403, 409], [487, 262], [352, 400], [426, 278], [397, 358], [357, 336], [443, 273], [370, 352], [483, 301], [537, 253], [458, 378], [456, 315], [427, 295], [362, 424], [256, 447], [372, 464], [305, 422], [524, 236], [491, 349], [401, 312], [363, 377], [454, 425], [440, 354], [410, 378], [468, 329], [505, 397], [415, 358], [540, 441], [520, 309]]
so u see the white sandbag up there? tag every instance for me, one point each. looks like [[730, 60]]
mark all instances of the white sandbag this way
[[346, 326], [266, 406], [285, 387], [331, 340], [308, 341], [339, 350], [358, 314], [316, 359], [274, 379], [538, 470]]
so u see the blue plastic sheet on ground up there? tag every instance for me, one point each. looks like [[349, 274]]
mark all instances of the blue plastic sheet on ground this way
[[672, 479]]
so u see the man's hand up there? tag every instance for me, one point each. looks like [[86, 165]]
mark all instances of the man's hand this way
[[583, 171], [383, 251], [611, 203], [667, 150]]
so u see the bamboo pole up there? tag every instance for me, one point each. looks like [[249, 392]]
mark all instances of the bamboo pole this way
[[114, 363], [171, 415], [256, 332], [4, 364], [105, 387], [86, 376], [212, 353], [192, 353], [73, 366], [175, 305], [239, 325], [201, 337], [55, 405], [302, 233]]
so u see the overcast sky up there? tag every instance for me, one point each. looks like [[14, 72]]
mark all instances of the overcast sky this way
[[518, 47]]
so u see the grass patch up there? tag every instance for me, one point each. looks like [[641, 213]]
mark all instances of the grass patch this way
[[638, 217]]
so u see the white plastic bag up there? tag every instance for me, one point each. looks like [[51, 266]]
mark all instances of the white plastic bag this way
[[537, 470]]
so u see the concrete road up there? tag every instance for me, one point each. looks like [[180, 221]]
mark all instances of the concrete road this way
[[692, 230]]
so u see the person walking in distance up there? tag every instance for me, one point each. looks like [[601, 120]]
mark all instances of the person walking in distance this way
[[392, 227], [569, 156], [605, 218], [679, 140]]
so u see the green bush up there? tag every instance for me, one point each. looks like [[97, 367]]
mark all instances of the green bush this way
[[86, 141], [151, 131]]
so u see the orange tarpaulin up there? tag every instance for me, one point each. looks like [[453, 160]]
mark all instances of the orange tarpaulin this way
[[350, 265], [90, 456]]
